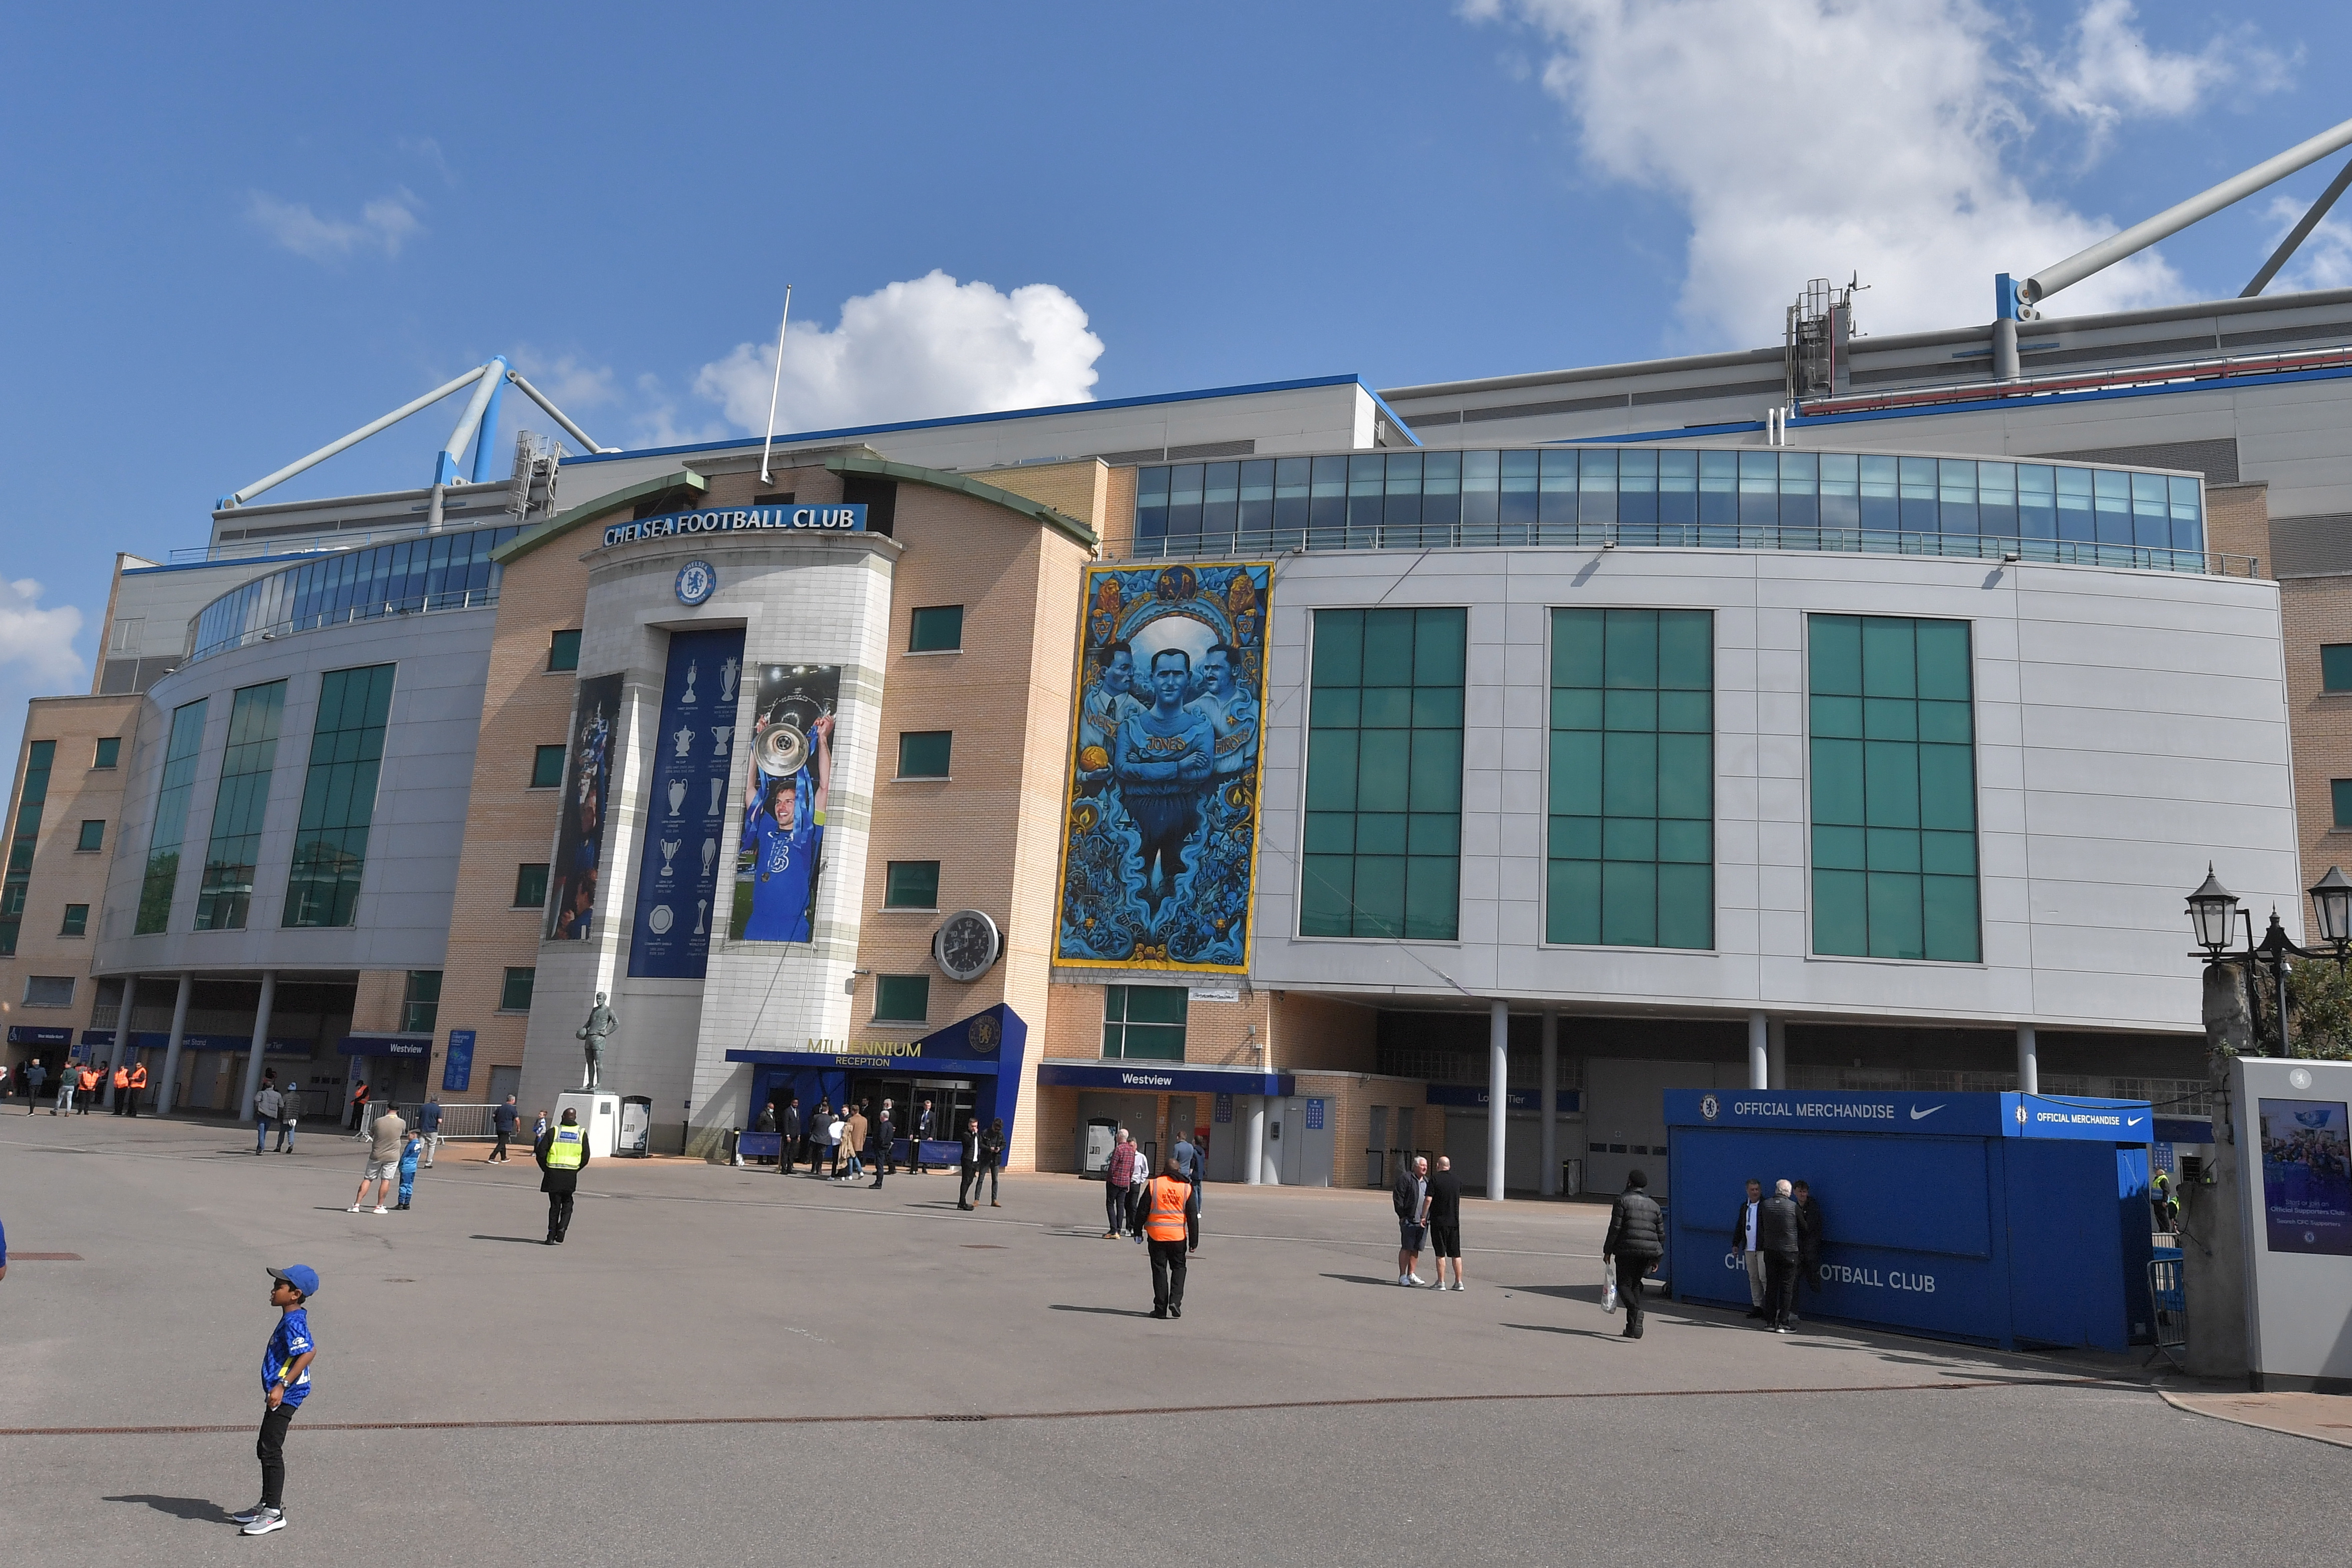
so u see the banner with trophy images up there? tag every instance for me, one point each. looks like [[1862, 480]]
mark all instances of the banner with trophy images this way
[[580, 836], [686, 809], [788, 780]]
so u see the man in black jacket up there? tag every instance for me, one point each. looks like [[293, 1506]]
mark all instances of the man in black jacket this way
[[1411, 1198], [967, 1159], [923, 1128], [788, 1128], [1809, 1242], [1778, 1238], [1445, 1221], [1636, 1241], [884, 1133]]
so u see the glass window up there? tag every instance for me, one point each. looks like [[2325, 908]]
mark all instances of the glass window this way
[[1144, 1021], [77, 920], [2340, 791], [93, 836], [936, 629], [547, 767], [530, 885], [514, 992], [110, 751], [925, 753], [48, 990], [225, 893], [911, 884], [178, 783], [2336, 667], [564, 651], [902, 998], [1381, 853], [420, 1003], [331, 839], [1893, 788], [1630, 839]]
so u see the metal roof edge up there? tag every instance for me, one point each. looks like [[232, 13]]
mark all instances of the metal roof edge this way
[[604, 505], [939, 479]]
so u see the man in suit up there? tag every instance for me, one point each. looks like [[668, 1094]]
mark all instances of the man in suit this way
[[788, 1129], [1411, 1198], [969, 1159], [1743, 1241], [1635, 1241], [923, 1129], [884, 1132], [1777, 1235]]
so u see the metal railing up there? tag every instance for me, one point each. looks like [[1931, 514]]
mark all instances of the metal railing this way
[[326, 539], [461, 1124], [1690, 536], [2168, 1297], [416, 604]]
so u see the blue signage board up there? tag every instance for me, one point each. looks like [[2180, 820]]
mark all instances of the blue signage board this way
[[1146, 1078], [1225, 1108], [684, 826], [40, 1034], [161, 1039], [2182, 1130], [986, 1048], [457, 1070], [833, 519], [1314, 1116], [383, 1045], [1476, 1096]]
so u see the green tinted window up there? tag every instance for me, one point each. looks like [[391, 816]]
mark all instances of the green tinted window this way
[[93, 837], [936, 629], [924, 754], [902, 998], [178, 783], [2335, 668], [109, 752], [1381, 853], [1893, 788], [547, 767], [514, 993], [420, 1002], [530, 885], [1145, 1021], [227, 892], [331, 839], [77, 921], [911, 884], [564, 651], [2340, 790], [1629, 847]]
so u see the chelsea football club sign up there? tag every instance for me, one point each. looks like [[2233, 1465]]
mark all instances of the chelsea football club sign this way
[[836, 519]]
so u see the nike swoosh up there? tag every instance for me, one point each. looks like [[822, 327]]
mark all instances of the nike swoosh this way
[[1917, 1114], [2133, 1122]]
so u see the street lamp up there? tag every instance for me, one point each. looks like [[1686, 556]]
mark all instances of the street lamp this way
[[2331, 907], [2212, 910]]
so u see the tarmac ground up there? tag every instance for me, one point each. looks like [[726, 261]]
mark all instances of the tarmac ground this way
[[726, 1366]]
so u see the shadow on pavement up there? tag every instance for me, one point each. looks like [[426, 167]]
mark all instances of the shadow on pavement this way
[[525, 1240], [196, 1507], [1368, 1279], [1573, 1334], [1102, 1311]]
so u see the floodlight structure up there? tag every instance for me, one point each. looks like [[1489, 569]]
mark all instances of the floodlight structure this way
[[475, 426], [2014, 300]]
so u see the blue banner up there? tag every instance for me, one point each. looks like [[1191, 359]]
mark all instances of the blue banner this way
[[838, 519], [458, 1072], [694, 756]]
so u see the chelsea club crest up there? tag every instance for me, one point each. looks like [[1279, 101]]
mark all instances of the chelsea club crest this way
[[1710, 1107], [695, 582]]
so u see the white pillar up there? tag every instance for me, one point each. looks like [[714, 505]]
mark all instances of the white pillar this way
[[2029, 1064], [121, 1037], [260, 1046], [1548, 1112], [1253, 1144], [172, 1049], [1498, 1092], [1760, 1052], [1776, 1053]]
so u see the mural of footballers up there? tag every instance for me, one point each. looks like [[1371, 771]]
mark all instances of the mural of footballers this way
[[571, 901], [782, 854], [1162, 815]]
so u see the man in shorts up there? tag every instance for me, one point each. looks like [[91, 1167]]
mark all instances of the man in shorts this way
[[385, 1135], [1445, 1221], [1411, 1196]]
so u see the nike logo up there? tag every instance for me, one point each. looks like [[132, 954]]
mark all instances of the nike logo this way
[[2132, 1121], [1917, 1114]]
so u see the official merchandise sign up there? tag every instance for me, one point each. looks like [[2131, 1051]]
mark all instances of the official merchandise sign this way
[[833, 519], [457, 1070]]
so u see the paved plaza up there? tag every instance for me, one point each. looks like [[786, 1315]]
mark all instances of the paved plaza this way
[[727, 1365]]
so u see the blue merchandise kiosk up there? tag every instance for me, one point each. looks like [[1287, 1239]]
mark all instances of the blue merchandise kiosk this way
[[1998, 1220], [971, 1067]]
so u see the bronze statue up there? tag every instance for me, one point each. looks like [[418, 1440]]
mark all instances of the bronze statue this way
[[599, 1026]]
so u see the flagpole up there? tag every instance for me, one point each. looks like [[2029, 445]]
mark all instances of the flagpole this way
[[776, 387]]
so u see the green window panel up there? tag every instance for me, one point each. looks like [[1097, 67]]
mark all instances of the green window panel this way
[[331, 839], [109, 752], [1144, 1022], [564, 651], [1382, 843], [926, 753], [530, 885], [40, 757], [2335, 668], [179, 781], [936, 629], [911, 884], [92, 838], [1630, 848], [514, 991], [2340, 796], [902, 998], [1893, 788], [225, 893], [420, 1002], [547, 767], [77, 920]]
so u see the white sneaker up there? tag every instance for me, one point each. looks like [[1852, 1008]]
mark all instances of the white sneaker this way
[[1402, 1281], [1415, 1279], [381, 1209], [355, 1209], [1437, 1285], [265, 1520], [250, 1514]]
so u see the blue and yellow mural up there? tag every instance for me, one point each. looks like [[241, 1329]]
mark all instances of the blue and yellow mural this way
[[1161, 845]]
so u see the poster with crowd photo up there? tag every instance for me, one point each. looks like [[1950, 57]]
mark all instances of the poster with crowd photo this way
[[1160, 847], [787, 781], [2308, 1177], [686, 806], [580, 836]]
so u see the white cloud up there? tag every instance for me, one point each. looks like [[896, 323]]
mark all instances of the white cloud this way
[[1815, 138], [37, 643], [384, 224], [923, 349]]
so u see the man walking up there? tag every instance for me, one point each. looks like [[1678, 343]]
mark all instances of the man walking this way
[[1164, 1197], [885, 1133], [268, 1103], [1635, 1241], [788, 1135], [922, 1129], [381, 1164], [563, 1152], [429, 1124], [1411, 1196], [1743, 1239], [1776, 1233], [1809, 1243], [967, 1159], [68, 1079], [1116, 1177], [36, 1076], [502, 1121], [1188, 1165], [1445, 1221]]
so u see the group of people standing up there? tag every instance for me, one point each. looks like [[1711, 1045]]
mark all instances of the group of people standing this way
[[79, 1084], [1429, 1212], [1778, 1238], [1161, 1212], [851, 1143]]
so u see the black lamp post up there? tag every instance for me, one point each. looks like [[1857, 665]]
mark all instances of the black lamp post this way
[[2213, 909]]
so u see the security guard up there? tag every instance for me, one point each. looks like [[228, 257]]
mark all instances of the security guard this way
[[122, 1090], [138, 1085], [561, 1152], [1165, 1198]]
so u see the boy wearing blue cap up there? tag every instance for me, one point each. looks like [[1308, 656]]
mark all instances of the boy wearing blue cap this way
[[410, 1153], [285, 1383]]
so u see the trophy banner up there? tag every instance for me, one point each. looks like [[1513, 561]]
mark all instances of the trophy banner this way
[[787, 780], [580, 837], [686, 809]]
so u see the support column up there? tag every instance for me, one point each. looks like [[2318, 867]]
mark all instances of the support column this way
[[121, 1036], [260, 1046], [2029, 1062], [1254, 1142], [1498, 1092], [1548, 1109], [1759, 1052], [172, 1049], [1776, 1053]]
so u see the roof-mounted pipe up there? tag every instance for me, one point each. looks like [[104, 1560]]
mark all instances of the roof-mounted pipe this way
[[241, 497], [445, 466], [556, 413]]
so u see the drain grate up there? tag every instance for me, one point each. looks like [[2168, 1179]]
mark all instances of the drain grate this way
[[959, 1417], [983, 1247], [45, 1257]]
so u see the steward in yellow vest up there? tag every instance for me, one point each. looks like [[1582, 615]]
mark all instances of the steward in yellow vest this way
[[562, 1154]]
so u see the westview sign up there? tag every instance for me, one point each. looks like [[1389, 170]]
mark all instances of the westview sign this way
[[840, 519]]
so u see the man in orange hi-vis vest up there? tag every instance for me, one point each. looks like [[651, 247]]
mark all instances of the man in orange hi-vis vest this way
[[1165, 1198]]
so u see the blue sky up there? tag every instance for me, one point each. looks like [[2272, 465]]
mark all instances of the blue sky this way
[[238, 232]]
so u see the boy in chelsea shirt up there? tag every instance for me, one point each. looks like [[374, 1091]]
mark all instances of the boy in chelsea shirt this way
[[285, 1383]]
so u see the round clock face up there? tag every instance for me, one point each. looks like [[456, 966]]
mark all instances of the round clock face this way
[[966, 946], [696, 579]]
